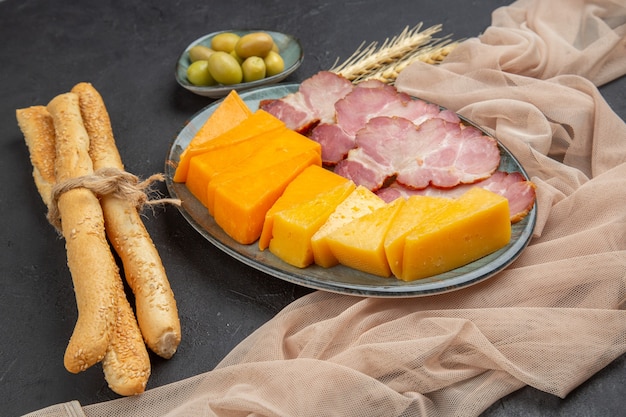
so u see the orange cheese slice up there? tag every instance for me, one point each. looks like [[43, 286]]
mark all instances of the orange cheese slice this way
[[417, 209], [311, 182], [273, 150], [203, 167], [294, 226], [230, 112], [226, 149], [257, 123], [360, 202], [475, 225], [242, 202], [359, 244]]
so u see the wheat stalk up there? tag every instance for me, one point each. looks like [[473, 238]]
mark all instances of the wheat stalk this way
[[384, 63]]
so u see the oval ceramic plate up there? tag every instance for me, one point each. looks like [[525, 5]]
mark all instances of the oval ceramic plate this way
[[290, 51], [338, 279]]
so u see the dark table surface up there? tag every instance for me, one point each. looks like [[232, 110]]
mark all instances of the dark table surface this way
[[128, 49]]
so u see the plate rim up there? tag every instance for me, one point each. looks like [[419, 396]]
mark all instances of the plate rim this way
[[425, 287]]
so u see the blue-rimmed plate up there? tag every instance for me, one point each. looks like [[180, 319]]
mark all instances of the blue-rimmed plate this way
[[339, 278], [289, 47]]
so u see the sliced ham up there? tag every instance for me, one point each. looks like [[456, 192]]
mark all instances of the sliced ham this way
[[312, 104], [437, 152], [514, 186], [322, 91], [292, 110], [335, 142], [375, 98], [330, 110], [366, 101]]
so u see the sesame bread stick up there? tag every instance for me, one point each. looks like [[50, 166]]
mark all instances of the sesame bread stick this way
[[155, 304], [38, 129], [126, 365], [89, 257]]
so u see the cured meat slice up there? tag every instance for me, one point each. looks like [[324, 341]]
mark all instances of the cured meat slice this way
[[375, 98], [322, 91], [335, 142], [436, 152], [366, 101], [292, 110], [512, 185], [312, 104]]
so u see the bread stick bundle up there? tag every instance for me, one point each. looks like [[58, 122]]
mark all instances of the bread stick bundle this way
[[155, 304], [106, 328]]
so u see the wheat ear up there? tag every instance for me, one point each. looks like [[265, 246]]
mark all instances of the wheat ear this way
[[385, 62]]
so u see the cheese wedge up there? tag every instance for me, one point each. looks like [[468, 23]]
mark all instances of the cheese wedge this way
[[359, 244], [231, 111], [242, 202], [417, 209], [360, 202], [473, 226], [284, 146], [311, 182], [294, 226]]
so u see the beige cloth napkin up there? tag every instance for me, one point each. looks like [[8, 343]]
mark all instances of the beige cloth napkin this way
[[550, 320]]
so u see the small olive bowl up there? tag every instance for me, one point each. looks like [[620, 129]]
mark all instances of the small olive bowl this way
[[289, 48]]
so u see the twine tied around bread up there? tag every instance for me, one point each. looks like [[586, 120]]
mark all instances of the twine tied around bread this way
[[108, 181]]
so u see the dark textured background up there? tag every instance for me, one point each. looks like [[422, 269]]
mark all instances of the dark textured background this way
[[128, 49]]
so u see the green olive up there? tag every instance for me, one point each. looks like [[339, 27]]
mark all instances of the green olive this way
[[254, 44], [225, 41], [237, 57], [199, 53], [198, 74], [253, 69], [224, 68], [274, 64]]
